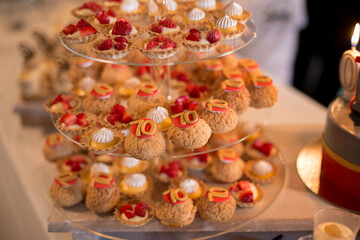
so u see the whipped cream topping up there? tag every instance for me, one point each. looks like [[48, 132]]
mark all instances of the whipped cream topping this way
[[130, 162], [205, 4], [125, 132], [135, 180], [157, 114], [262, 167], [171, 5], [195, 14], [153, 7], [129, 6], [189, 185], [132, 83], [87, 83], [225, 22], [232, 9], [102, 135], [99, 167]]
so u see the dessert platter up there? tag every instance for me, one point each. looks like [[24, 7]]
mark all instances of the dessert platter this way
[[154, 147]]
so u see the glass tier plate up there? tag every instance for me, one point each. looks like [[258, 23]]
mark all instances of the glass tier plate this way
[[182, 56]]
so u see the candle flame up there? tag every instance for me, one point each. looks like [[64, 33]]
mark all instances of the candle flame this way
[[355, 36]]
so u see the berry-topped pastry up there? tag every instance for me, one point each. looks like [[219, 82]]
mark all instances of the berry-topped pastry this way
[[125, 165], [198, 162], [236, 12], [124, 28], [194, 187], [260, 171], [112, 49], [75, 123], [134, 213], [76, 164], [217, 205], [159, 47], [177, 209], [102, 194], [136, 185], [116, 117], [101, 99], [102, 141], [165, 26], [263, 93], [219, 115], [146, 97], [105, 18], [57, 146], [246, 193], [202, 40], [111, 3], [62, 104], [229, 28], [144, 141], [235, 93], [161, 116], [209, 5], [170, 171], [188, 130], [88, 9], [261, 149], [66, 190], [184, 102], [80, 32]]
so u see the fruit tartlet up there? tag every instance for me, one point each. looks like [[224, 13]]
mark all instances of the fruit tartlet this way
[[261, 149], [124, 28], [194, 18], [105, 19], [76, 122], [260, 171], [128, 88], [66, 190], [165, 26], [246, 193], [134, 213], [188, 130], [176, 209], [263, 93], [144, 141], [202, 40], [194, 187], [209, 5], [235, 93], [136, 186], [80, 32], [161, 116], [227, 166], [170, 171], [146, 97], [219, 116], [112, 49], [102, 141], [159, 47], [57, 146], [217, 205], [126, 165], [76, 164], [88, 9], [229, 28], [131, 9], [101, 99], [117, 117], [102, 194], [198, 162], [113, 74], [236, 12], [62, 104]]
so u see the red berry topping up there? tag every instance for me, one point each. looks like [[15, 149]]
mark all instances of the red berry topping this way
[[117, 109], [126, 118], [66, 105], [112, 118], [142, 204], [111, 13], [70, 29], [194, 31], [82, 23], [105, 45], [92, 6], [129, 214], [122, 28], [83, 122], [180, 76], [172, 172], [189, 87], [175, 165], [195, 92], [234, 188], [243, 185], [264, 148], [194, 35], [193, 105], [203, 88], [125, 208], [87, 31], [68, 119], [160, 38], [177, 108], [102, 17], [183, 99], [247, 196], [156, 28], [151, 45], [68, 98], [140, 210], [168, 44], [120, 40], [59, 98], [167, 22], [81, 116], [163, 169], [203, 157], [120, 46], [213, 36]]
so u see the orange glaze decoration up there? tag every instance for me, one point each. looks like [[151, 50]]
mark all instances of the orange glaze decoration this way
[[185, 119], [175, 195], [262, 81], [102, 180], [233, 73], [143, 128], [217, 105], [55, 140], [214, 64], [102, 90], [249, 64], [227, 155], [66, 179], [232, 85], [218, 194], [147, 89]]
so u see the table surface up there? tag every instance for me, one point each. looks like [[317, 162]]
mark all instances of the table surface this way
[[26, 175]]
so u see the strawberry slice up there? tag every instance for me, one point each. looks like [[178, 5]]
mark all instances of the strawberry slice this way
[[156, 28], [234, 188], [120, 40], [243, 185], [126, 118], [66, 105], [247, 196], [68, 98], [111, 13], [59, 98], [81, 116], [177, 107], [112, 118], [70, 29], [83, 122], [92, 6], [122, 28], [150, 45], [68, 119], [82, 23], [125, 208], [129, 214], [183, 99], [120, 46], [172, 172], [213, 36], [117, 108], [203, 157], [159, 38], [189, 87], [163, 169], [87, 31], [193, 105], [175, 165], [105, 45], [195, 92], [140, 210], [168, 44], [102, 17], [168, 23]]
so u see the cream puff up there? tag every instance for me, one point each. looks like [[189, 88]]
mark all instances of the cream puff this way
[[66, 190], [263, 93], [100, 99]]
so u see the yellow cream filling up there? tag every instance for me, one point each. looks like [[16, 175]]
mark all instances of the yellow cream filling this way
[[229, 30], [126, 92], [128, 189], [104, 145], [165, 124], [196, 194]]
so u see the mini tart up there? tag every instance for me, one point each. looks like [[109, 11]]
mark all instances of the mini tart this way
[[75, 103], [102, 148], [260, 171], [166, 31], [133, 13], [136, 186], [236, 12], [76, 164], [194, 18], [200, 46], [136, 221], [263, 93], [157, 52], [112, 19], [88, 9], [112, 53], [126, 165], [76, 128], [190, 188], [253, 149], [136, 31], [209, 5], [77, 38], [254, 188], [66, 190], [229, 28], [164, 177], [195, 163]]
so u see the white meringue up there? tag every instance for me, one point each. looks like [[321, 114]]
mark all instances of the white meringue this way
[[225, 22], [262, 167], [135, 180], [132, 83], [130, 162], [129, 6], [102, 135], [195, 14], [205, 4], [171, 5], [99, 167], [86, 83], [189, 185], [153, 7], [157, 114], [232, 9]]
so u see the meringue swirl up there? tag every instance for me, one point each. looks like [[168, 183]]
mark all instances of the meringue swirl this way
[[189, 185], [225, 22], [171, 5], [232, 9], [129, 6], [205, 4], [195, 14], [99, 167], [102, 135], [87, 83], [153, 7], [262, 167], [135, 180], [130, 162], [157, 114]]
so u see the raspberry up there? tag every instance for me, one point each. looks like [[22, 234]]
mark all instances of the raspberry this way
[[140, 210], [112, 118], [151, 45], [156, 28], [120, 40], [82, 23], [177, 108], [103, 19], [142, 204], [213, 36], [125, 208], [183, 99], [117, 108], [203, 88], [247, 196], [167, 22], [87, 31], [168, 44], [175, 165], [172, 172], [129, 214], [193, 105], [189, 87], [70, 29], [194, 35], [120, 46], [122, 28], [159, 38], [111, 13], [195, 92], [193, 31], [162, 169], [105, 45], [203, 157]]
